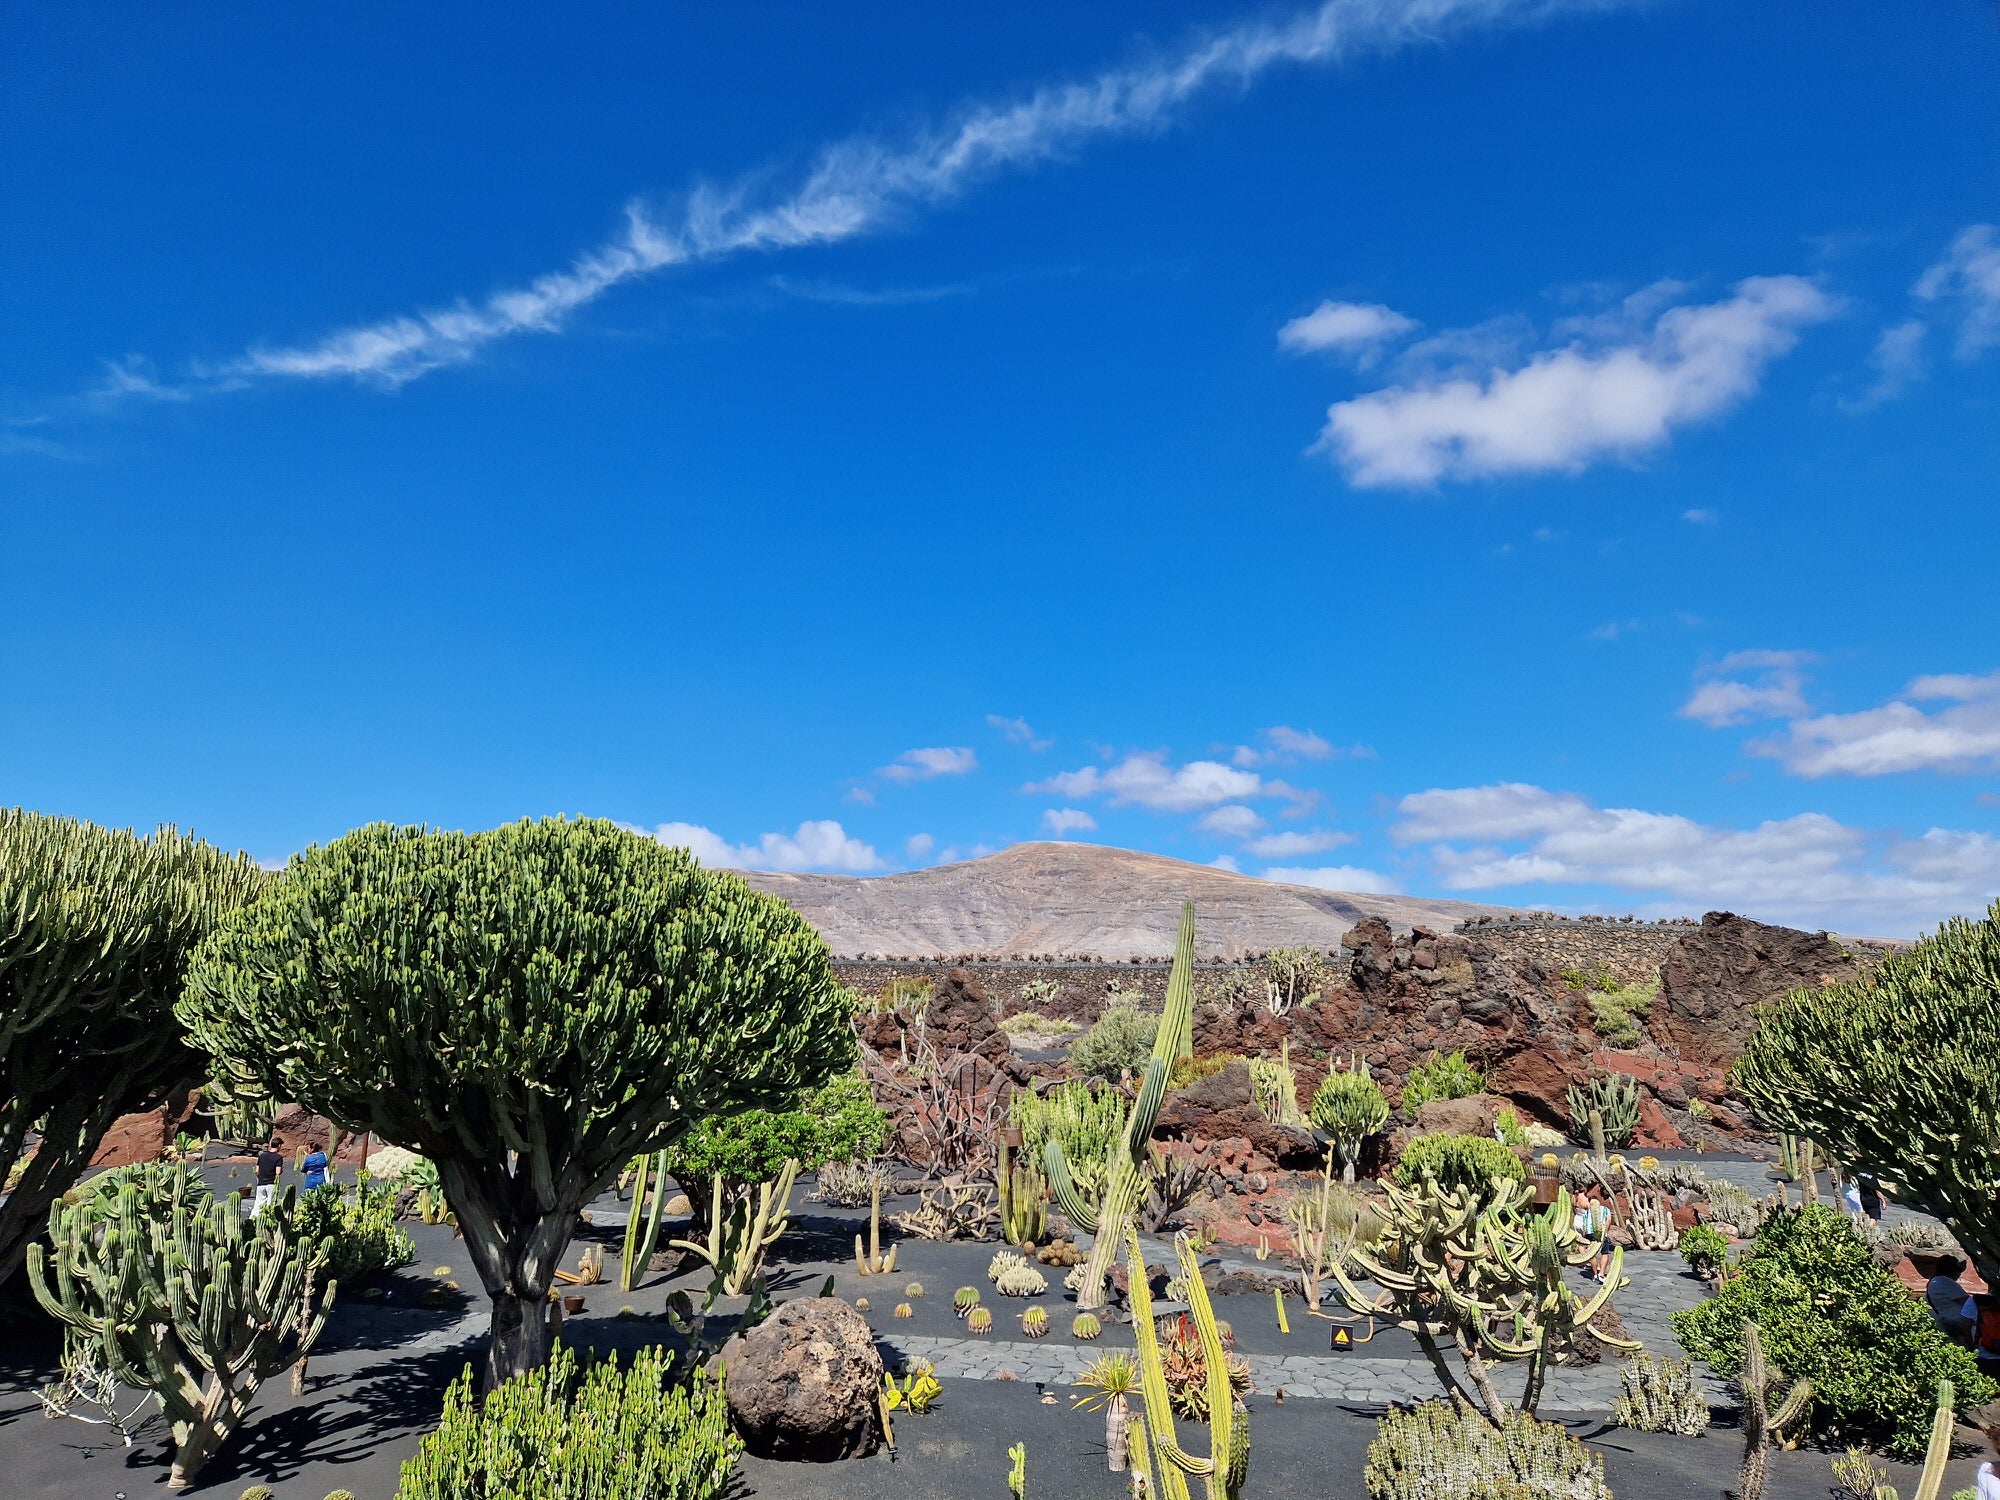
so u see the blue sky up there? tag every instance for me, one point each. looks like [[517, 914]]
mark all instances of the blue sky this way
[[1538, 452]]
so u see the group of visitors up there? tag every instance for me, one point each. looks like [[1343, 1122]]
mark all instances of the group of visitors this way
[[313, 1169], [1592, 1216]]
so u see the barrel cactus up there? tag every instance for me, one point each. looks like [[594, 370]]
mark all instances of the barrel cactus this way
[[1086, 1326], [964, 1300], [979, 1320], [1035, 1322], [182, 1296]]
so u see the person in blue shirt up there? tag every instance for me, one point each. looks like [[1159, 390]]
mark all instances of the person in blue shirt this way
[[314, 1167]]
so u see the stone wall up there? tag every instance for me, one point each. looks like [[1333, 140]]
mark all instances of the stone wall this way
[[1627, 950], [1004, 980]]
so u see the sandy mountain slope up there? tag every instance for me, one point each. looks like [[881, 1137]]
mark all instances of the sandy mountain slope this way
[[1081, 899]]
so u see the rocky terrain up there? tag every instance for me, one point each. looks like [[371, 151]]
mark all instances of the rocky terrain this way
[[1083, 899]]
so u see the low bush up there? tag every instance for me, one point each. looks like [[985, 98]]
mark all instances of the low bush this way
[[1831, 1314], [1446, 1075], [361, 1227], [1444, 1450], [836, 1122], [550, 1435], [1704, 1249], [1615, 1013], [1470, 1161], [1120, 1042]]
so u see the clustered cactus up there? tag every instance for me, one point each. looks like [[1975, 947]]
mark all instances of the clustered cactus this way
[[182, 1296], [1446, 1448], [1614, 1099], [1012, 1276], [1156, 1454], [1660, 1395], [1350, 1107]]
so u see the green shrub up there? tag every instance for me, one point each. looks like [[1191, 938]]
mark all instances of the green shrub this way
[[1507, 1123], [1120, 1042], [545, 1435], [836, 1122], [1193, 1069], [1445, 1076], [361, 1227], [1617, 1009], [1444, 1450], [1831, 1314], [1458, 1161], [1704, 1249]]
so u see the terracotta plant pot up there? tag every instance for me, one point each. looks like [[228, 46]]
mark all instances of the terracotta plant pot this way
[[572, 1305]]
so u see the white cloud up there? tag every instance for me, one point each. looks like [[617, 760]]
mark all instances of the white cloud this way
[[1807, 870], [1748, 685], [1226, 862], [1968, 281], [818, 845], [1063, 821], [917, 845], [1700, 517], [1898, 361], [1292, 845], [1150, 782], [926, 764], [864, 184], [1284, 746], [1899, 736], [1606, 394], [1356, 329], [1232, 821], [1018, 731], [1346, 878]]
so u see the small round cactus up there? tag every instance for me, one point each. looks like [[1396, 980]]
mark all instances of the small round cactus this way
[[914, 1290], [904, 1310], [1549, 1160], [964, 1300], [1035, 1322], [1085, 1326], [861, 1304], [1649, 1164], [979, 1320]]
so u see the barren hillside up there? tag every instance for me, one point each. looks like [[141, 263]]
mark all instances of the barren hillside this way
[[1076, 899]]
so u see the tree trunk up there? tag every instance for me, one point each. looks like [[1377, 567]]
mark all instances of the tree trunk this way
[[1117, 1434], [521, 1336]]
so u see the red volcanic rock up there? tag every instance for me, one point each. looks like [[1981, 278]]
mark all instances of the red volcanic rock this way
[[144, 1135], [1220, 1108], [1655, 1129], [1473, 1115], [1714, 978]]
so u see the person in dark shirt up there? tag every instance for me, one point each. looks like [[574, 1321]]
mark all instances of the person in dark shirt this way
[[269, 1165]]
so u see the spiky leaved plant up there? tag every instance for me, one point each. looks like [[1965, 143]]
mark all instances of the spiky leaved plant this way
[[642, 1227], [1110, 1382], [181, 1296], [1893, 1075], [96, 925], [1124, 1171], [528, 1007]]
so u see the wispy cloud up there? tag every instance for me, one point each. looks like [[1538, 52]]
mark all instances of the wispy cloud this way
[[1018, 731], [1967, 283], [1283, 746], [867, 183], [1231, 821], [1147, 780], [1749, 685], [1063, 821], [1619, 387], [1292, 844], [1358, 330], [1900, 736], [1808, 869], [1354, 879], [817, 845], [929, 763], [852, 296]]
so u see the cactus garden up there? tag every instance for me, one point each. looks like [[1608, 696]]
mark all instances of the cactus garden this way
[[627, 1194]]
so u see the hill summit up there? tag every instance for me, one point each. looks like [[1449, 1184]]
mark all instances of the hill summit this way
[[1075, 900]]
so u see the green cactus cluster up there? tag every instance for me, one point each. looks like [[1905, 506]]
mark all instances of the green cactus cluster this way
[[96, 929], [561, 1434], [1445, 1448], [1614, 1099], [1125, 1171], [1348, 1108], [181, 1296], [1660, 1395], [1156, 1452]]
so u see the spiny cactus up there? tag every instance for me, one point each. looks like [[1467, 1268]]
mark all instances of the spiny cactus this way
[[1615, 1098], [904, 1310], [642, 1229], [873, 1262], [1003, 1260], [740, 1235], [1035, 1322], [914, 1290], [1123, 1171], [1761, 1425], [1024, 1197], [1660, 1395], [97, 927], [979, 1320], [964, 1300], [1021, 1281], [1445, 1448], [1085, 1326], [1936, 1454], [182, 1297], [449, 990], [1227, 1463]]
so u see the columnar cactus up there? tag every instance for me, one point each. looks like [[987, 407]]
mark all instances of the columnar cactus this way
[[529, 1007], [96, 926], [1227, 1462], [182, 1297], [1761, 1425], [642, 1228], [1612, 1098], [1125, 1171], [1894, 1076]]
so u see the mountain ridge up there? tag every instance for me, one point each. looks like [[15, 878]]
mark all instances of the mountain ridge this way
[[1075, 899]]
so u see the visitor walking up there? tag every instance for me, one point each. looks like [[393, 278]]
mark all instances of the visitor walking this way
[[269, 1165], [1986, 1486], [1947, 1299], [314, 1167], [1850, 1199], [1871, 1198]]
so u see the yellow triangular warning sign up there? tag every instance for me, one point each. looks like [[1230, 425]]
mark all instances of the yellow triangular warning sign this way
[[1341, 1340]]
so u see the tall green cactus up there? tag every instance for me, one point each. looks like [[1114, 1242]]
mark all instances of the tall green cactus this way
[[1893, 1076], [1125, 1171], [1157, 1452], [182, 1297], [96, 926], [1761, 1425], [528, 1007], [642, 1228]]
